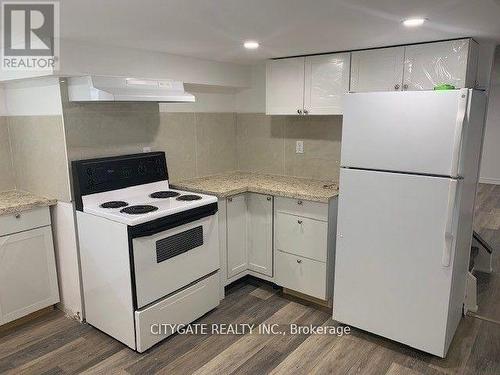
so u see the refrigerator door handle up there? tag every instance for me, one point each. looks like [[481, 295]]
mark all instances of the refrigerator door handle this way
[[448, 234], [457, 140]]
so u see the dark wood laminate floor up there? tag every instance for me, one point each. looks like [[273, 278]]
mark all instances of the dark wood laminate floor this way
[[54, 344]]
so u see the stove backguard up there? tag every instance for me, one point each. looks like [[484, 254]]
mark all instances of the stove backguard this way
[[105, 174]]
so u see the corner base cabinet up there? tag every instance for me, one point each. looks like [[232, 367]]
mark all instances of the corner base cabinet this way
[[249, 235], [289, 242], [28, 279]]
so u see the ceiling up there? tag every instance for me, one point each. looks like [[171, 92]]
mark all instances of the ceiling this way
[[216, 29]]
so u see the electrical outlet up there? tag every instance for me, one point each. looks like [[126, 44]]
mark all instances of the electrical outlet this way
[[299, 147]]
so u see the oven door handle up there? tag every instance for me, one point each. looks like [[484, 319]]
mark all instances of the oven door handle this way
[[172, 221]]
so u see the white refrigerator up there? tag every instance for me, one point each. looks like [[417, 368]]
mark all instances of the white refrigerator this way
[[409, 171]]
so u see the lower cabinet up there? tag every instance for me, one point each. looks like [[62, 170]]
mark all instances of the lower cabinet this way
[[287, 241], [237, 258], [28, 279], [249, 231], [301, 274], [304, 246], [260, 233]]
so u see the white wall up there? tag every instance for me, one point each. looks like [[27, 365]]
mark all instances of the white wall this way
[[490, 164], [208, 99], [485, 63], [226, 99], [78, 58], [253, 99], [33, 97]]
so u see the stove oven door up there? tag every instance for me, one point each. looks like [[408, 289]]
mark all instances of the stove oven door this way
[[170, 260]]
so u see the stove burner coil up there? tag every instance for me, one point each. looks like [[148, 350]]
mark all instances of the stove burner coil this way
[[114, 204], [140, 209]]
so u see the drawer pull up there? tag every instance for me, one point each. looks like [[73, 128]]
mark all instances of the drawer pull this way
[[299, 221], [268, 198], [299, 261], [17, 216], [299, 202]]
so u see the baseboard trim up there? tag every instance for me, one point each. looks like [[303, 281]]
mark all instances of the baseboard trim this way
[[18, 322], [491, 181]]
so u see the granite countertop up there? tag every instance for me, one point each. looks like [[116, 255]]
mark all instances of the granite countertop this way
[[16, 201], [228, 184]]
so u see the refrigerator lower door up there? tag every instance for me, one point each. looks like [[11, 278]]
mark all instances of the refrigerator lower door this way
[[394, 256], [412, 131]]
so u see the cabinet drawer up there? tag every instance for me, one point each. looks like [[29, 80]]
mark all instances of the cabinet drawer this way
[[301, 236], [183, 307], [314, 210], [301, 274], [25, 220]]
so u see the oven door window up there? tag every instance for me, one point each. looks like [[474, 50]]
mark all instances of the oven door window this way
[[179, 243]]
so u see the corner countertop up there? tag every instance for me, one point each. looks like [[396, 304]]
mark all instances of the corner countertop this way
[[228, 184], [13, 201]]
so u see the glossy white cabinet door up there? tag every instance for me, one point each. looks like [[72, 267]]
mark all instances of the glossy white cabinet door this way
[[260, 233], [326, 82], [28, 279], [236, 235], [377, 70], [285, 86], [431, 64]]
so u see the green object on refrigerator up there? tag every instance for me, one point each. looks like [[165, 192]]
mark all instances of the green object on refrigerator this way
[[444, 86]]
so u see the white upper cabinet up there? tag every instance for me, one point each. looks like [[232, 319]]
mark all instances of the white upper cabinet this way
[[313, 85], [451, 62], [326, 81], [377, 69], [285, 86]]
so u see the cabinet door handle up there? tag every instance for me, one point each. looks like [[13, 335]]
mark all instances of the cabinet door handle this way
[[268, 198], [299, 202], [306, 112], [405, 86], [299, 111], [299, 221], [299, 261], [397, 86], [17, 216], [229, 199]]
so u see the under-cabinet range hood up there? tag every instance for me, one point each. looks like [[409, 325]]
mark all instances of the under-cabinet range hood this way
[[123, 89]]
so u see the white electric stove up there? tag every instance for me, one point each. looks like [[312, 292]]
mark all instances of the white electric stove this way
[[149, 254]]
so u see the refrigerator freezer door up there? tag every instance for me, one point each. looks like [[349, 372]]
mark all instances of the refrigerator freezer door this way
[[393, 236], [413, 131]]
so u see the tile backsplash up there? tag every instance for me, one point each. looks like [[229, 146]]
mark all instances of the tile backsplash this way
[[7, 181], [39, 155], [267, 144], [200, 144], [196, 144]]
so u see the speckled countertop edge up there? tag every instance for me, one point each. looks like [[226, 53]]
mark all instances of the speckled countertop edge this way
[[13, 201], [233, 183]]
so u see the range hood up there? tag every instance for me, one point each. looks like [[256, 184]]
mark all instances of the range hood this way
[[123, 89]]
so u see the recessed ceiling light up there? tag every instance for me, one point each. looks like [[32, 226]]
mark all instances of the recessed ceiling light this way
[[251, 44], [412, 22]]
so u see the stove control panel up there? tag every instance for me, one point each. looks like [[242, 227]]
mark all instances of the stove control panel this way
[[104, 174]]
